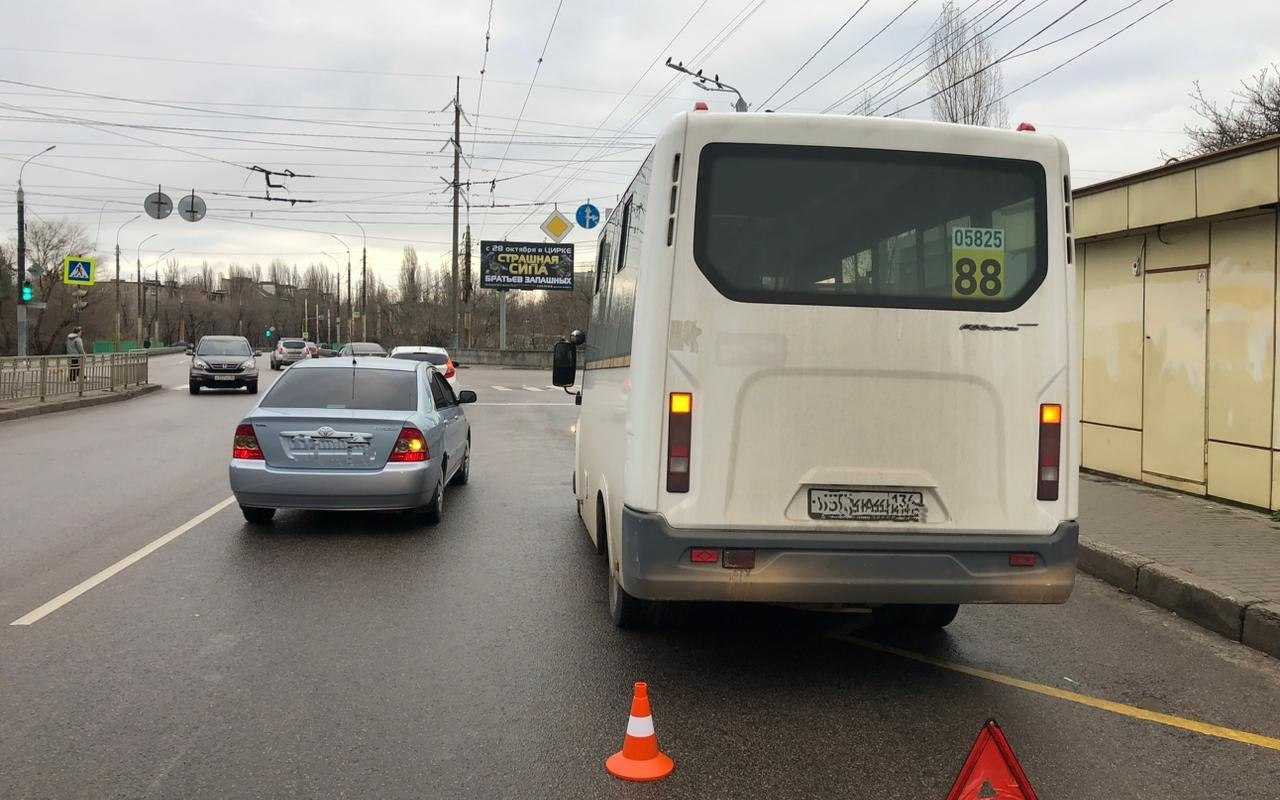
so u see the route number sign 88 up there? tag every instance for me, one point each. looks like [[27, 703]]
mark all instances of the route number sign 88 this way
[[977, 263]]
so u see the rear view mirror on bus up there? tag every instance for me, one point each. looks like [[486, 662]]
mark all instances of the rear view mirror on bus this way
[[564, 364]]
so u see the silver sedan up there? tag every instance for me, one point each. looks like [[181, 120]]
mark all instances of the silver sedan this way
[[352, 434]]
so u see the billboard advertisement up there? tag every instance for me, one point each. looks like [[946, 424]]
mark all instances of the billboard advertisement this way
[[526, 265]]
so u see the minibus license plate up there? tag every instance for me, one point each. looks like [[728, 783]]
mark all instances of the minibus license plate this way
[[862, 504]]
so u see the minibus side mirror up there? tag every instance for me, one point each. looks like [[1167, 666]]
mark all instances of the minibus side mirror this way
[[564, 364]]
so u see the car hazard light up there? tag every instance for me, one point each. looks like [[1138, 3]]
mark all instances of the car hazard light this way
[[245, 443], [1048, 469], [449, 370], [411, 447], [679, 440]]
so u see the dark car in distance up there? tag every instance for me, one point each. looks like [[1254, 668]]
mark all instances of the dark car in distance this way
[[223, 362]]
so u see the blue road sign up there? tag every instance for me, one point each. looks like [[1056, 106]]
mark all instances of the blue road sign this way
[[79, 271], [588, 216]]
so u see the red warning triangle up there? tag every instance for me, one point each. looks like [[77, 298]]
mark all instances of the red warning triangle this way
[[992, 771]]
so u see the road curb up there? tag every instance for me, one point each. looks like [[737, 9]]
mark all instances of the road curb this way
[[1262, 628], [1211, 604], [79, 402]]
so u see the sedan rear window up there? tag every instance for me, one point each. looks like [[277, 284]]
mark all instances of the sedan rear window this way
[[293, 344], [438, 359], [361, 389], [867, 227]]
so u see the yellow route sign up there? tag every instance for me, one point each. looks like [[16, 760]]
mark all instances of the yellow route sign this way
[[977, 263]]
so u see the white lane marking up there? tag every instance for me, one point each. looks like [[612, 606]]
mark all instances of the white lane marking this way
[[80, 588], [521, 404], [531, 389], [501, 388]]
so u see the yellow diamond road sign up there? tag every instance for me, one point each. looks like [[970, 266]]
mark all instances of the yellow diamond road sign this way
[[557, 226]]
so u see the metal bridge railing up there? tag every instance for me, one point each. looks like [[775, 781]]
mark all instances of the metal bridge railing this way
[[56, 377]]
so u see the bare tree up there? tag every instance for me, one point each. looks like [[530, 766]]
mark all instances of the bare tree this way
[[1252, 113], [958, 50]]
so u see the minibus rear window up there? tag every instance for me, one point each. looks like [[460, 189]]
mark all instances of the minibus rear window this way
[[867, 227]]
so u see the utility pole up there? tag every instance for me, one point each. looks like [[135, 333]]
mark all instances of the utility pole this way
[[457, 157], [142, 307], [119, 307], [22, 274], [364, 282], [466, 286]]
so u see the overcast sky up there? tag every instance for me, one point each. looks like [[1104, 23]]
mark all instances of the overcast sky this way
[[354, 92]]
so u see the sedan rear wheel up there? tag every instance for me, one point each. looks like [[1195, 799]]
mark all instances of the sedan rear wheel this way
[[463, 474], [433, 512]]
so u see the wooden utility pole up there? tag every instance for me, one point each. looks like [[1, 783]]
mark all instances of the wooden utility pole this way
[[457, 157]]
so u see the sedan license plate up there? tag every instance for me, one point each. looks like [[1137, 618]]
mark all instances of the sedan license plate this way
[[864, 504], [224, 377]]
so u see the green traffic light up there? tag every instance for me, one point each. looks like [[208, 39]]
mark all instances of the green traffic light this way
[[28, 293]]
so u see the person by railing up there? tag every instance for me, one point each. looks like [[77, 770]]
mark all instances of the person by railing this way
[[75, 347]]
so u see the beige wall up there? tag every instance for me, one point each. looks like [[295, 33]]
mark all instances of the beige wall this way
[[1112, 348], [1242, 277], [1223, 270]]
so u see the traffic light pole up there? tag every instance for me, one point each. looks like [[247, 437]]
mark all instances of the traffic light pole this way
[[22, 275]]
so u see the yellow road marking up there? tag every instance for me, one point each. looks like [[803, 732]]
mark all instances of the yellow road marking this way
[[1203, 728]]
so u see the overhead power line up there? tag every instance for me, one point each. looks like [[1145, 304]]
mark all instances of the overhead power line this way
[[851, 56], [1083, 52], [985, 67], [287, 67], [815, 53], [894, 65], [538, 68], [991, 28]]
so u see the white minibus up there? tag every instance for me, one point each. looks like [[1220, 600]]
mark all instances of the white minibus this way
[[831, 360]]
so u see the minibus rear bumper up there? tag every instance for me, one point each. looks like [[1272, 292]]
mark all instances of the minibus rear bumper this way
[[872, 568]]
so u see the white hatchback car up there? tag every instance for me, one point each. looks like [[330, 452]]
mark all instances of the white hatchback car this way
[[437, 357]]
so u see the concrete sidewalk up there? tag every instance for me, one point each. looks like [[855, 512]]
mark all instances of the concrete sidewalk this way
[[21, 409], [1212, 563]]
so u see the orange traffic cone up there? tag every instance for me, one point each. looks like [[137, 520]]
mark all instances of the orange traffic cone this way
[[640, 759]]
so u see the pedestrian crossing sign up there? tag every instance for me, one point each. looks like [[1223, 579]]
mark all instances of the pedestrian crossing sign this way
[[79, 271]]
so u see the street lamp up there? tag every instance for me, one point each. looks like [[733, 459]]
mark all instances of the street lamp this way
[[21, 304], [142, 298], [156, 313], [119, 308], [364, 281], [328, 326], [350, 319]]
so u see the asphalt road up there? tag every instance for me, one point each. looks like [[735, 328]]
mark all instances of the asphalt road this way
[[345, 655]]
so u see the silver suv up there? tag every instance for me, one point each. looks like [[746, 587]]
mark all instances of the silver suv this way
[[289, 351]]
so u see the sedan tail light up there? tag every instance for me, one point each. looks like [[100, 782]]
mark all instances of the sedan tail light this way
[[1048, 467], [245, 444], [411, 446], [449, 371]]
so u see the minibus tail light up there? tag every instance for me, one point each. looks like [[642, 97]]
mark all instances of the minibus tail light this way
[[1048, 469], [679, 440]]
